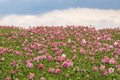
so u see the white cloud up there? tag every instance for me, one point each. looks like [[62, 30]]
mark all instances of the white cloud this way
[[73, 16]]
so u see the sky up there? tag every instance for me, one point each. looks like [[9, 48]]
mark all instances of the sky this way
[[25, 13]]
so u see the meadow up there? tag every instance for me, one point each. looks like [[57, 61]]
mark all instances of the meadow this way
[[59, 53]]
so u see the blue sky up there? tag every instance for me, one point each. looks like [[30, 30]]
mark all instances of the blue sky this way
[[42, 6], [25, 13]]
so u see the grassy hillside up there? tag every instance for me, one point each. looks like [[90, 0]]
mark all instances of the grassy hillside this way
[[57, 53]]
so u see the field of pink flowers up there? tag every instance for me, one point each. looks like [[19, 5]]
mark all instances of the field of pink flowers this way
[[59, 53]]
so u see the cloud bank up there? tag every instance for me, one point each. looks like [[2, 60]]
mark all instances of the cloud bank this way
[[72, 16]]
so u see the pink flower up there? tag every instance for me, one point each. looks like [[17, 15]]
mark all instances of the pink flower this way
[[104, 72], [51, 70], [41, 57], [119, 45], [40, 52], [50, 58], [92, 59], [31, 76], [74, 51], [44, 50], [95, 68], [105, 60], [42, 78], [12, 72], [27, 61], [67, 75], [111, 70], [112, 61], [7, 78], [67, 64], [92, 53], [108, 50], [25, 41], [17, 52], [59, 52], [73, 47], [32, 46], [52, 37], [13, 63], [2, 59], [89, 46], [96, 42], [57, 71], [55, 49], [29, 65], [1, 53], [58, 58], [74, 57], [40, 66], [102, 49], [102, 67], [30, 51], [82, 51], [118, 69]]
